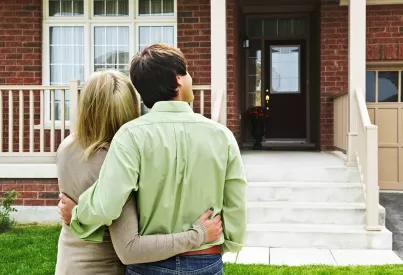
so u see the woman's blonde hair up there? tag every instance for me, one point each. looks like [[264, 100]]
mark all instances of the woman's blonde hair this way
[[107, 101]]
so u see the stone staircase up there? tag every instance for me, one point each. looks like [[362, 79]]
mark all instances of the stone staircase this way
[[307, 200]]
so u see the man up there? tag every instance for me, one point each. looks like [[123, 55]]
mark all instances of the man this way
[[180, 164]]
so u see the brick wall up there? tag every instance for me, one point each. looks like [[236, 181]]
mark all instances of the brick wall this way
[[384, 42], [33, 192], [20, 58], [233, 68], [194, 40]]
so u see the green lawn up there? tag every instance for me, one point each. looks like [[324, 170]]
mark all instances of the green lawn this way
[[31, 250]]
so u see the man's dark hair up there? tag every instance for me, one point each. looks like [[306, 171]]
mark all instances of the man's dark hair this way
[[154, 70]]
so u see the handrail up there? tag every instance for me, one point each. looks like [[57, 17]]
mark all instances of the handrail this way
[[362, 106], [367, 161]]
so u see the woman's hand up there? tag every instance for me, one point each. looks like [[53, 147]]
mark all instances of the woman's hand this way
[[66, 206], [213, 226]]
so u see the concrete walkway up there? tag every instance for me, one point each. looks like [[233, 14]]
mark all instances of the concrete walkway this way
[[294, 257]]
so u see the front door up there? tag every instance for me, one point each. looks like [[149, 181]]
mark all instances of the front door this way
[[285, 89]]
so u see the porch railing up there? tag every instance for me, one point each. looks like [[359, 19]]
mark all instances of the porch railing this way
[[35, 119], [367, 160], [340, 121]]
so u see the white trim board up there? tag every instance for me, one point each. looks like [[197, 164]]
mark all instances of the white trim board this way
[[374, 2], [28, 171]]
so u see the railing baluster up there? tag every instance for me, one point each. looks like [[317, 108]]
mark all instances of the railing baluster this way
[[62, 114], [21, 141], [10, 121], [202, 102], [31, 121], [42, 124], [52, 121], [1, 120]]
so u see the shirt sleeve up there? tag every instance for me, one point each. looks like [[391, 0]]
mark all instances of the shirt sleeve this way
[[102, 203], [234, 205], [132, 248]]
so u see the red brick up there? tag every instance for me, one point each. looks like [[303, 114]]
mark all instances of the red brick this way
[[28, 195], [34, 187], [51, 202], [52, 187], [10, 187], [29, 202]]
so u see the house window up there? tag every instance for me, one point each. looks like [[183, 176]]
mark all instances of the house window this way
[[383, 86], [84, 36]]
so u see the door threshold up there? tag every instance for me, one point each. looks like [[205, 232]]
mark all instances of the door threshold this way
[[277, 144]]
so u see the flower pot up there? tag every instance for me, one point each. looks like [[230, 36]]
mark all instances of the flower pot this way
[[257, 131]]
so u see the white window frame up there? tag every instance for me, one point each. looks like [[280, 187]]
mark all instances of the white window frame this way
[[89, 22]]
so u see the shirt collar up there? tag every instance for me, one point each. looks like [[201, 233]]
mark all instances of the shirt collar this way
[[172, 106]]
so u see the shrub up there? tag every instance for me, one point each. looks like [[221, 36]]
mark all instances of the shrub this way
[[6, 222]]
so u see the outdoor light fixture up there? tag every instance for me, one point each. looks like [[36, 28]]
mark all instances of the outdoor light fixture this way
[[245, 42]]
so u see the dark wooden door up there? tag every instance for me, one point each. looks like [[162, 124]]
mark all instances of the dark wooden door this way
[[285, 89]]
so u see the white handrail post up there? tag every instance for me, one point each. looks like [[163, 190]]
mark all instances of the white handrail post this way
[[371, 180], [356, 69], [73, 104], [218, 12]]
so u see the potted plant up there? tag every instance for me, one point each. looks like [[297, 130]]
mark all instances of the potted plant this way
[[257, 116]]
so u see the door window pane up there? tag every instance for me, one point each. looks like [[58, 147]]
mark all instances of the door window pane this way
[[66, 7], [111, 7], [388, 86], [66, 61], [255, 74], [155, 34], [370, 87], [156, 7], [285, 69], [111, 48]]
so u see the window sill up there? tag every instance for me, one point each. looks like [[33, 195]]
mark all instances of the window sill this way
[[58, 126]]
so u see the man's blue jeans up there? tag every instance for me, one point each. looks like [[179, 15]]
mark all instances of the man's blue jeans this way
[[180, 265]]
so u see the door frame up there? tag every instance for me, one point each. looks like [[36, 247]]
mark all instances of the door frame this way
[[306, 37]]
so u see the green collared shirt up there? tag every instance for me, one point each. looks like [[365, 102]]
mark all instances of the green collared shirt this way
[[180, 164]]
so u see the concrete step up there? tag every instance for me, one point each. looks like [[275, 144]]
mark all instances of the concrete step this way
[[305, 192], [309, 213], [316, 236], [301, 173]]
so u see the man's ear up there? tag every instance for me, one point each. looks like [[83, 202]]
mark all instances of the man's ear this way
[[179, 80]]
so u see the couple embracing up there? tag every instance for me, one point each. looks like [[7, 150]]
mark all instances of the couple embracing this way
[[164, 193]]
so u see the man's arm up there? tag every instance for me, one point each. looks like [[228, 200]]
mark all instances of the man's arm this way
[[103, 202], [234, 206]]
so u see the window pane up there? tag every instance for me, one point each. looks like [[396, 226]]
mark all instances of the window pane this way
[[285, 27], [111, 50], [270, 27], [155, 34], [66, 61], [156, 7], [299, 27], [370, 87], [111, 7], [388, 86], [66, 7], [285, 69], [255, 27]]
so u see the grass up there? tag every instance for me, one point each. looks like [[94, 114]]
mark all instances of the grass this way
[[32, 250]]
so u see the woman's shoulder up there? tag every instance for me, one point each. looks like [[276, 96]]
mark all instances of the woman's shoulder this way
[[68, 141]]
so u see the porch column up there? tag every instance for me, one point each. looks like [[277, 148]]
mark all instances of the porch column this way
[[218, 61], [356, 69]]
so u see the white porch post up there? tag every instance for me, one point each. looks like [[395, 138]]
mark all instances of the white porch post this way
[[218, 61], [356, 69]]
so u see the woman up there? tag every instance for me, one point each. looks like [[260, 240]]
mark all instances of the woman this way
[[107, 101]]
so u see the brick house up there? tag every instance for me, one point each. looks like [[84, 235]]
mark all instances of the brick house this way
[[304, 60]]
